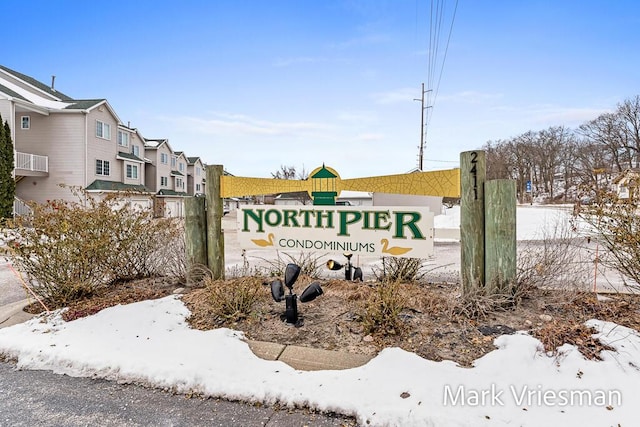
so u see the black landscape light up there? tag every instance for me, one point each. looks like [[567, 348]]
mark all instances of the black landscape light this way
[[350, 273], [291, 273], [357, 274], [312, 292], [277, 290], [333, 265], [347, 268]]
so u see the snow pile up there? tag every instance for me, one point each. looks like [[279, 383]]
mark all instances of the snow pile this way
[[514, 385]]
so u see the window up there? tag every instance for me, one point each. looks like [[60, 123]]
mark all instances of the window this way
[[102, 167], [135, 150], [198, 171], [179, 183], [198, 188], [25, 122], [103, 130], [173, 162], [132, 171], [181, 167], [123, 139], [164, 158], [163, 181]]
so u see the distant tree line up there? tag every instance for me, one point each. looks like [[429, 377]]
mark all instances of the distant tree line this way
[[565, 164]]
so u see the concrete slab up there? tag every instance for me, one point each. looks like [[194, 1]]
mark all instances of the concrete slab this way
[[266, 350], [312, 359], [12, 314]]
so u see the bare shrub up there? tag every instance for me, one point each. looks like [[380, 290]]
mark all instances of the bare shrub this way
[[71, 249], [400, 269], [309, 262], [555, 261], [616, 225], [380, 312], [477, 304], [234, 299], [170, 256]]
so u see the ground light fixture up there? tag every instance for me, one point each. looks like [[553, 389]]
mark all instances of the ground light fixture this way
[[291, 273], [350, 273]]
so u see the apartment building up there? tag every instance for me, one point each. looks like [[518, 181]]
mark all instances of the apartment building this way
[[63, 142]]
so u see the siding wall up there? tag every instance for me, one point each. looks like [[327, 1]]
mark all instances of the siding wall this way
[[150, 174], [156, 169], [195, 179], [60, 136], [5, 111], [163, 169], [103, 149]]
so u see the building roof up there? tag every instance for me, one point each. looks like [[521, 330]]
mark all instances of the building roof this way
[[11, 93], [176, 173], [193, 160], [33, 82], [103, 185], [84, 104], [129, 156]]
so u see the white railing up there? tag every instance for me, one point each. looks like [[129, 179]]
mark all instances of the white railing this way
[[31, 162], [20, 208]]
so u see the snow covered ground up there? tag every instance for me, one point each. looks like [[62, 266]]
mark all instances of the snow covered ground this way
[[517, 384]]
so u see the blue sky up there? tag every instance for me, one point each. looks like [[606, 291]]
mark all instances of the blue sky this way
[[255, 84]]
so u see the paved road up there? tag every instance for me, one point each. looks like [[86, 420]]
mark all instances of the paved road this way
[[44, 399]]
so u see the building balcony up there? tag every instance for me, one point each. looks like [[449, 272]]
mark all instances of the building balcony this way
[[26, 164]]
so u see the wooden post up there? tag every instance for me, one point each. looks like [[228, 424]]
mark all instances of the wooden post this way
[[473, 173], [500, 236], [195, 226], [215, 236]]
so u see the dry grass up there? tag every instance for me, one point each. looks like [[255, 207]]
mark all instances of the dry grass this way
[[428, 322]]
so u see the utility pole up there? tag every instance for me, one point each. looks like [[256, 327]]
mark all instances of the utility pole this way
[[422, 128]]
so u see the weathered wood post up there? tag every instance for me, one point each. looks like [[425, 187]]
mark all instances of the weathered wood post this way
[[500, 236], [215, 236], [473, 173], [195, 227]]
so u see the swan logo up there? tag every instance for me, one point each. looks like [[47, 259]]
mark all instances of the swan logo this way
[[387, 231]]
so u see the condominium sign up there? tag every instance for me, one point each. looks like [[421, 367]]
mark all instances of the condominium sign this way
[[373, 230]]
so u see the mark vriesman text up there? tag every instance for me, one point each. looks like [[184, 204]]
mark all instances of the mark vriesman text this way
[[529, 396]]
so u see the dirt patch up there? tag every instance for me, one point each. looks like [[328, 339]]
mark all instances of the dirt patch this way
[[430, 324], [120, 293]]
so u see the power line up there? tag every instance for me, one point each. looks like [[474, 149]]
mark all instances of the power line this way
[[436, 18]]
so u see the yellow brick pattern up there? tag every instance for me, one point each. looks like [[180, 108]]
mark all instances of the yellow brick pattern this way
[[445, 183]]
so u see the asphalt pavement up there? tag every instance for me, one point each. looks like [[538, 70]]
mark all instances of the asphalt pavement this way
[[45, 399]]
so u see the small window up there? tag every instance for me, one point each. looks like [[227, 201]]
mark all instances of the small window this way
[[164, 158], [103, 130], [198, 171], [25, 122], [198, 188], [178, 183], [173, 162], [181, 167], [132, 171], [163, 181], [123, 139], [102, 167], [135, 150]]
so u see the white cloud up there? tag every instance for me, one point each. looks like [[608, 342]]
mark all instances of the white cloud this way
[[396, 96], [470, 97], [242, 125]]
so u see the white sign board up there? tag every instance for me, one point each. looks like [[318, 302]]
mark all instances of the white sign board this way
[[399, 231]]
